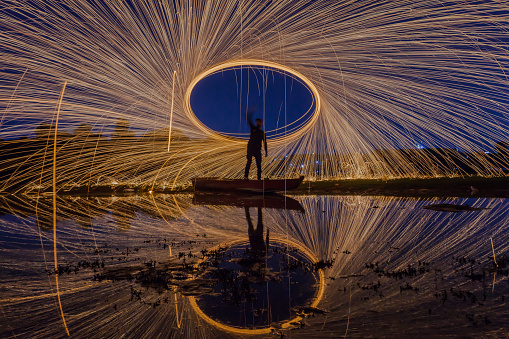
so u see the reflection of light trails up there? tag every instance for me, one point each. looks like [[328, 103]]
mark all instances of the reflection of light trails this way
[[55, 207], [349, 223], [284, 325], [47, 295]]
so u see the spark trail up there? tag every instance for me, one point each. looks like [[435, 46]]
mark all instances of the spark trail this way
[[389, 75]]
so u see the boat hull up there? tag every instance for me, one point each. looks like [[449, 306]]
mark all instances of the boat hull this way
[[240, 185]]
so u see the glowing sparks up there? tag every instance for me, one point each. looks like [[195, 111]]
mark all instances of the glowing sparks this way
[[384, 76], [54, 199], [282, 138], [171, 112]]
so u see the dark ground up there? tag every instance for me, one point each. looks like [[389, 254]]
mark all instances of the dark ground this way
[[496, 187], [472, 186]]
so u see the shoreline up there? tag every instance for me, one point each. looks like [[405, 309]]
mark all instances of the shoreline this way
[[466, 187]]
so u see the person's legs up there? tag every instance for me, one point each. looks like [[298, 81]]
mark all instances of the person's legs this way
[[258, 158], [248, 165]]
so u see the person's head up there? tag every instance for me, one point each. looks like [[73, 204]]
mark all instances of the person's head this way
[[259, 122]]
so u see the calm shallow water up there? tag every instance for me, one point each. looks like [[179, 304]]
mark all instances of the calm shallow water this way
[[204, 266]]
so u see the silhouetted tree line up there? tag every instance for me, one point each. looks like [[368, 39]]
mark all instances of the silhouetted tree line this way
[[91, 158], [399, 163], [432, 161], [86, 158]]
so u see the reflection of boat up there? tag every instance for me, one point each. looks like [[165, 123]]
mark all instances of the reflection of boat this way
[[268, 201], [259, 186]]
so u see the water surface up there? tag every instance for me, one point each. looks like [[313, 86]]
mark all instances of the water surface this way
[[306, 266]]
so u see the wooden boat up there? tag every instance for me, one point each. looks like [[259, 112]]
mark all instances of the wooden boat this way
[[242, 185], [275, 201]]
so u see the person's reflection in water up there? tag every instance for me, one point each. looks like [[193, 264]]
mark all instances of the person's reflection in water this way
[[259, 246]]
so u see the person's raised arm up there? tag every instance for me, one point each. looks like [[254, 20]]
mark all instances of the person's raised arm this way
[[250, 120]]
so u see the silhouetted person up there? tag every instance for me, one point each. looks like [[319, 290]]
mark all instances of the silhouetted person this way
[[254, 146], [258, 245]]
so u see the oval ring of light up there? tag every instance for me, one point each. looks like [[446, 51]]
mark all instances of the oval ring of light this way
[[266, 330], [250, 62]]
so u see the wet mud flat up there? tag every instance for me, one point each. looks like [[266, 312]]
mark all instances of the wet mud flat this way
[[465, 297], [459, 296]]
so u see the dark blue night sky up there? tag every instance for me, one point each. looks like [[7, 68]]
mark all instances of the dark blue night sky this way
[[221, 100]]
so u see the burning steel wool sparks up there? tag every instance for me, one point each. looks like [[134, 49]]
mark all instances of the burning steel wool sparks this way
[[109, 106], [385, 76]]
